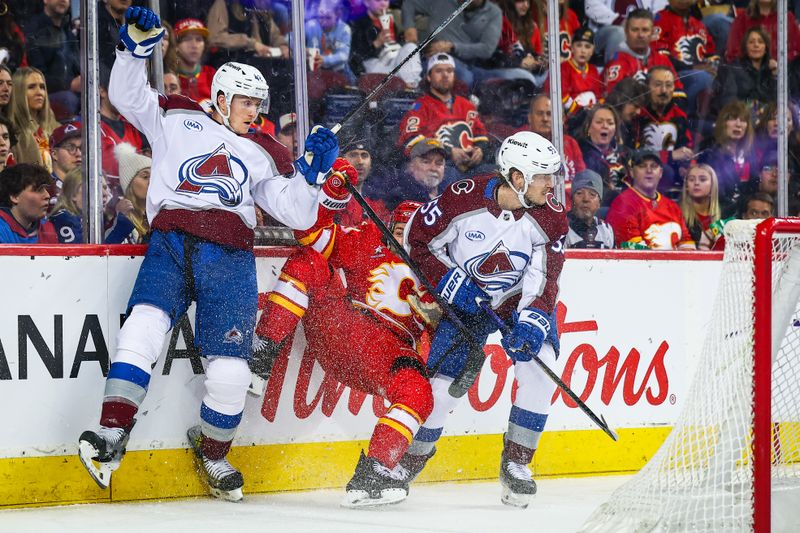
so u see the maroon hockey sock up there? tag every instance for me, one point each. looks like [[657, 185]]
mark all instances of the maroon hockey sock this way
[[116, 414], [387, 445], [518, 453], [214, 449]]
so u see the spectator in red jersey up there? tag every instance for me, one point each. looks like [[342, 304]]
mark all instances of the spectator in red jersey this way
[[172, 85], [635, 57], [519, 16], [568, 25], [423, 177], [65, 150], [195, 77], [700, 204], [627, 99], [763, 13], [24, 201], [7, 139], [6, 88], [602, 149], [642, 217], [32, 117], [357, 153], [449, 118], [751, 78], [730, 154], [12, 41], [581, 84]]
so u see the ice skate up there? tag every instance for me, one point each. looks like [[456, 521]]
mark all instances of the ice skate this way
[[410, 465], [518, 484], [224, 481], [101, 452], [373, 484], [265, 352]]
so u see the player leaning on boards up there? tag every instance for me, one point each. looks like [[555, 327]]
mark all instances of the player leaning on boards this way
[[498, 239], [208, 171]]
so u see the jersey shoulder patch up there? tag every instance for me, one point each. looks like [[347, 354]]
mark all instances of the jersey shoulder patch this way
[[178, 101]]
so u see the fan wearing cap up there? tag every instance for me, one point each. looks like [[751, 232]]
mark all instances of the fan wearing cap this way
[[363, 311], [195, 77], [448, 117], [499, 240], [209, 171], [641, 216], [586, 229], [287, 132], [357, 153], [581, 83], [65, 149], [423, 175], [134, 179]]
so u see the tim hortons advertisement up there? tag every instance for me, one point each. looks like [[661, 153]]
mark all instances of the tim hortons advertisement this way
[[631, 331]]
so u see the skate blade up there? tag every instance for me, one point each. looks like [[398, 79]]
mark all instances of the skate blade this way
[[234, 495], [257, 386], [360, 498], [101, 473], [514, 499]]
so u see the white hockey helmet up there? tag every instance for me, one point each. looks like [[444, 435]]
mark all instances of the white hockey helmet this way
[[529, 153], [237, 78]]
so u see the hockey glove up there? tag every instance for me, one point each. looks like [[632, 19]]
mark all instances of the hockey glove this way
[[334, 191], [142, 31], [459, 290], [322, 149], [526, 338]]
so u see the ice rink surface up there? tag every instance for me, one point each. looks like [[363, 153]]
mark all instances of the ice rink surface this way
[[561, 505]]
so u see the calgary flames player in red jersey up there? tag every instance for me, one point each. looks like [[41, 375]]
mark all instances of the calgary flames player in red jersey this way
[[363, 312]]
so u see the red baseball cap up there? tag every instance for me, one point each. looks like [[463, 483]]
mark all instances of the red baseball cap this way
[[185, 25], [70, 130]]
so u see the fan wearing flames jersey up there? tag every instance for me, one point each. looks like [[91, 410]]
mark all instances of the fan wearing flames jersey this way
[[497, 239], [363, 312], [446, 117]]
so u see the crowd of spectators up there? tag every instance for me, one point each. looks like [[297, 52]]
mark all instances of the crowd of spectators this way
[[670, 115]]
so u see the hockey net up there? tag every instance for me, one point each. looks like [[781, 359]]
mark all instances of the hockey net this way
[[732, 460]]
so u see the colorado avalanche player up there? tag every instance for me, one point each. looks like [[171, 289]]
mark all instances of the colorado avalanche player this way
[[207, 173], [498, 239], [363, 312]]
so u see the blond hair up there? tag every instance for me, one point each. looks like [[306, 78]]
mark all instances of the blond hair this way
[[139, 214], [69, 186], [687, 206], [26, 122]]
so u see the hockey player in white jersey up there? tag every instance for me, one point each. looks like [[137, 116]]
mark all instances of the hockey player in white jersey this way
[[497, 239], [208, 172]]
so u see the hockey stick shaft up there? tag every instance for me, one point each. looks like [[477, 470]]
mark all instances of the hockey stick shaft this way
[[599, 420]]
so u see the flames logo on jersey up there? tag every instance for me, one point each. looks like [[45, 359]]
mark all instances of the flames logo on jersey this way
[[659, 136], [663, 236], [691, 49], [219, 173], [497, 270], [387, 283], [455, 135]]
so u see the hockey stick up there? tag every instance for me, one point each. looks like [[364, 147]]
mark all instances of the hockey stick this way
[[600, 421]]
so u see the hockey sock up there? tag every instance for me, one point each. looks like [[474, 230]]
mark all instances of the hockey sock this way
[[431, 430], [227, 379], [126, 387], [286, 306]]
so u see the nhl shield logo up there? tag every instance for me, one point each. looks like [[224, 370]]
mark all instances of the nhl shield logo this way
[[219, 172]]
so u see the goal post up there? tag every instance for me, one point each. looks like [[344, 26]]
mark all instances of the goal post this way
[[732, 460]]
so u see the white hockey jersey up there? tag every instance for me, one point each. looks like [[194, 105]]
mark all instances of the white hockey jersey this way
[[515, 256], [205, 178]]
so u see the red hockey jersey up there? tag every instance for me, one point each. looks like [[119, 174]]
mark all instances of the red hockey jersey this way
[[456, 125], [625, 65], [685, 40], [580, 87], [640, 222], [374, 278], [198, 87]]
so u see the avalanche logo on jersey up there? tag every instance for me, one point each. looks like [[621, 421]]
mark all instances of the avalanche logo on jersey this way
[[219, 173], [497, 270], [384, 294]]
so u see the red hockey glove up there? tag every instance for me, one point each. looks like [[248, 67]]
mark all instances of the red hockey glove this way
[[334, 190]]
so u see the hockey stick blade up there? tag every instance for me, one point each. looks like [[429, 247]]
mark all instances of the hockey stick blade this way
[[600, 421]]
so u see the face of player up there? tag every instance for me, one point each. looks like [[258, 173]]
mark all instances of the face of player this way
[[735, 128], [772, 125], [698, 184], [31, 204], [638, 34], [646, 176], [585, 203], [244, 110], [140, 183], [376, 7], [35, 91], [67, 155], [768, 179], [757, 209], [171, 84], [6, 87], [538, 188], [602, 128], [522, 7], [361, 161], [397, 231], [540, 117], [662, 87], [5, 144], [428, 169], [582, 52], [191, 46], [755, 47], [442, 78]]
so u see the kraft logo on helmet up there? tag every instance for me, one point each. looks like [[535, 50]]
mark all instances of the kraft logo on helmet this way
[[219, 173]]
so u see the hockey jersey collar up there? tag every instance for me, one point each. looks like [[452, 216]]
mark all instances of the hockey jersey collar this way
[[489, 195], [16, 227]]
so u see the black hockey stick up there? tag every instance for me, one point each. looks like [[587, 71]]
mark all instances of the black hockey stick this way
[[600, 421]]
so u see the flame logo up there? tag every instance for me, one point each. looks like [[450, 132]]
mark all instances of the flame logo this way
[[385, 292]]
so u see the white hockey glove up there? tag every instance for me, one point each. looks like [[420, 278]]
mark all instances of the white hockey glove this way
[[142, 31]]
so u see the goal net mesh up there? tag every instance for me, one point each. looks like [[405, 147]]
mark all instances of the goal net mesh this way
[[701, 479]]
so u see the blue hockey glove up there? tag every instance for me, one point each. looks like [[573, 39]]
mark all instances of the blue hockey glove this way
[[530, 330], [142, 31], [461, 291], [322, 149]]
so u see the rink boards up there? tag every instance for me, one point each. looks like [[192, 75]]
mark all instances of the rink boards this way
[[631, 328]]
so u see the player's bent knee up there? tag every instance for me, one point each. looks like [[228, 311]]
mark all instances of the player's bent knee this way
[[143, 335], [227, 380], [410, 388], [309, 267]]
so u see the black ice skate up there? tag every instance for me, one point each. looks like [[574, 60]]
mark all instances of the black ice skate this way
[[374, 484], [101, 452], [518, 484], [265, 352], [224, 481], [410, 465]]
